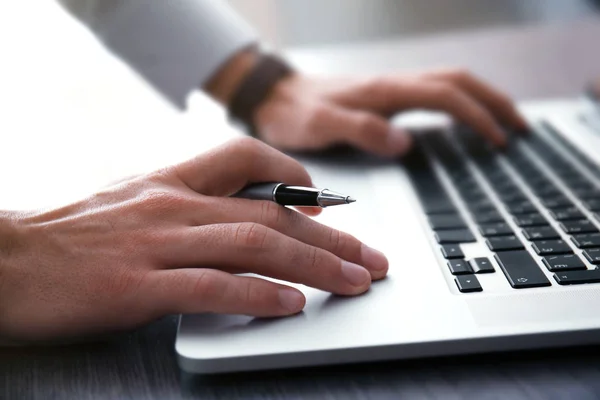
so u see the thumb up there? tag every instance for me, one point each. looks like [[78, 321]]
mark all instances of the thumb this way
[[369, 132]]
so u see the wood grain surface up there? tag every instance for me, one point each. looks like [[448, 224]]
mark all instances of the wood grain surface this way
[[142, 364]]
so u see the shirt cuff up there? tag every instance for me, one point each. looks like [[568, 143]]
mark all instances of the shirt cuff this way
[[176, 45]]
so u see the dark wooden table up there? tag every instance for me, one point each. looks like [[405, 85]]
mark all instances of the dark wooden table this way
[[528, 62], [142, 365]]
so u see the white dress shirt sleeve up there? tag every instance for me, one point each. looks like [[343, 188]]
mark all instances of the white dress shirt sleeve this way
[[176, 45]]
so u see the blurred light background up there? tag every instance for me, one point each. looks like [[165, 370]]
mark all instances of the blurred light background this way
[[299, 23], [78, 111]]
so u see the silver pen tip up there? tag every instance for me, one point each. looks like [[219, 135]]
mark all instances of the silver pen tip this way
[[350, 200]]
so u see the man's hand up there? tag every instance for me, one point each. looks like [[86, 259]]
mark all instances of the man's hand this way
[[304, 113], [173, 242]]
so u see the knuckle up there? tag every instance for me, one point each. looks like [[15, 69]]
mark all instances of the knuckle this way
[[343, 243], [458, 74], [247, 293], [123, 281], [251, 235], [162, 173], [160, 200], [314, 258], [380, 87], [505, 100], [336, 240], [274, 215], [207, 285], [445, 92], [340, 241], [377, 84], [247, 146], [318, 114], [149, 241], [369, 125]]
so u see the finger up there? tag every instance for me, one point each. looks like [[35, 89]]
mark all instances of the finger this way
[[365, 130], [297, 226], [206, 290], [264, 251], [498, 103], [388, 95], [228, 168]]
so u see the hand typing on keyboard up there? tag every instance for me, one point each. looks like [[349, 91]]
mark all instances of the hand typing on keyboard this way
[[172, 242], [304, 113]]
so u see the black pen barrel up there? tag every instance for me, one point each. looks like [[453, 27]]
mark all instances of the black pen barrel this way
[[258, 191], [294, 196]]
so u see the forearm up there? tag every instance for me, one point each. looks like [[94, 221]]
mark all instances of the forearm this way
[[8, 238], [9, 244], [177, 46]]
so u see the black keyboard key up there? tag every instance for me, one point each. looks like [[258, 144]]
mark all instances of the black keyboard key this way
[[539, 184], [540, 233], [463, 180], [512, 197], [571, 209], [530, 220], [564, 263], [438, 207], [504, 185], [499, 229], [575, 152], [481, 265], [586, 241], [549, 192], [473, 195], [524, 207], [446, 221], [521, 270], [578, 277], [452, 251], [574, 179], [551, 247], [488, 217], [468, 283], [587, 193], [556, 202], [504, 243], [459, 267], [454, 236], [482, 206], [583, 226], [567, 215], [592, 204], [593, 256]]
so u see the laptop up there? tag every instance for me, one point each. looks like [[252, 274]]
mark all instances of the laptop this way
[[489, 251]]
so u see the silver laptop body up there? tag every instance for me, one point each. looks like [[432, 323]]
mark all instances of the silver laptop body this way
[[419, 310]]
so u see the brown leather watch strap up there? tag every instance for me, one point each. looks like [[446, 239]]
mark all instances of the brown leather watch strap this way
[[255, 88]]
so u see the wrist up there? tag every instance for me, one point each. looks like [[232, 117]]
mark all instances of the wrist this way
[[256, 89], [225, 82]]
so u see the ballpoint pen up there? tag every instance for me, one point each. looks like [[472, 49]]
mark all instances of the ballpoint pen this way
[[297, 196]]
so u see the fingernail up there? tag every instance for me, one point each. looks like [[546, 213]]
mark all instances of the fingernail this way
[[291, 300], [399, 140], [355, 274], [373, 259]]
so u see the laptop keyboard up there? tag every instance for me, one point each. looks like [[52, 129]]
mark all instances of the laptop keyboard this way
[[537, 212]]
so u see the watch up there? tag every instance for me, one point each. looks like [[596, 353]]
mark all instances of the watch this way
[[256, 87]]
